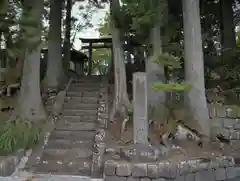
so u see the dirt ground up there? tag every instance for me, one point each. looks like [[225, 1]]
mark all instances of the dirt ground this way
[[186, 149]]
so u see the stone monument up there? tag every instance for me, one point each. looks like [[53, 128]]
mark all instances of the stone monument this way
[[140, 150], [140, 110]]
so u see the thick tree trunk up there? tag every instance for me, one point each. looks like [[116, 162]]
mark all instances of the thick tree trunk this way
[[119, 68], [194, 72], [228, 28], [121, 96], [30, 103], [19, 66], [67, 41], [54, 65], [155, 73]]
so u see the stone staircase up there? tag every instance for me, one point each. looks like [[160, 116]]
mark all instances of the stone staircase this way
[[70, 146]]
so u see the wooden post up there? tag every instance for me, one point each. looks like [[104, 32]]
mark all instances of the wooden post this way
[[90, 59], [4, 65], [111, 68]]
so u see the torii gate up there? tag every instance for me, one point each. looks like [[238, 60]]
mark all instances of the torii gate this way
[[99, 43]]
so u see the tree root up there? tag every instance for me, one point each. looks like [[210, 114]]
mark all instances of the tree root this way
[[124, 142], [123, 126], [7, 89]]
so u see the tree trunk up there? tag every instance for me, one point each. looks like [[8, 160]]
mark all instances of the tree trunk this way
[[54, 65], [30, 104], [155, 73], [121, 96], [19, 66], [194, 72], [67, 41], [228, 28]]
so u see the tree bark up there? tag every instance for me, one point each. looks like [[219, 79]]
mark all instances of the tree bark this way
[[30, 104], [67, 38], [54, 65], [121, 96], [194, 71], [153, 71]]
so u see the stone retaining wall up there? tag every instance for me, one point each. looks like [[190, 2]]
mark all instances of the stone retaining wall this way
[[230, 128], [225, 120], [229, 96], [99, 142], [226, 111], [9, 163], [218, 169]]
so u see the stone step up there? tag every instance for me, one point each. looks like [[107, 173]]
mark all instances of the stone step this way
[[80, 105], [83, 100], [49, 111], [66, 154], [47, 107], [69, 144], [72, 135], [88, 82], [82, 118], [78, 112], [88, 79], [83, 94], [66, 167], [85, 87], [76, 126], [49, 101], [82, 88]]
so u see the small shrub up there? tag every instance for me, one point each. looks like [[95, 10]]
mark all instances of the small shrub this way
[[16, 134], [171, 87], [171, 61]]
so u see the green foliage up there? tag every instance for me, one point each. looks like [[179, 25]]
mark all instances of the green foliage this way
[[101, 58], [105, 26], [16, 134], [170, 87], [3, 7], [166, 59], [9, 21], [144, 13], [30, 30], [129, 108], [224, 70], [82, 20], [139, 16], [171, 62], [14, 52], [238, 39], [19, 28]]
